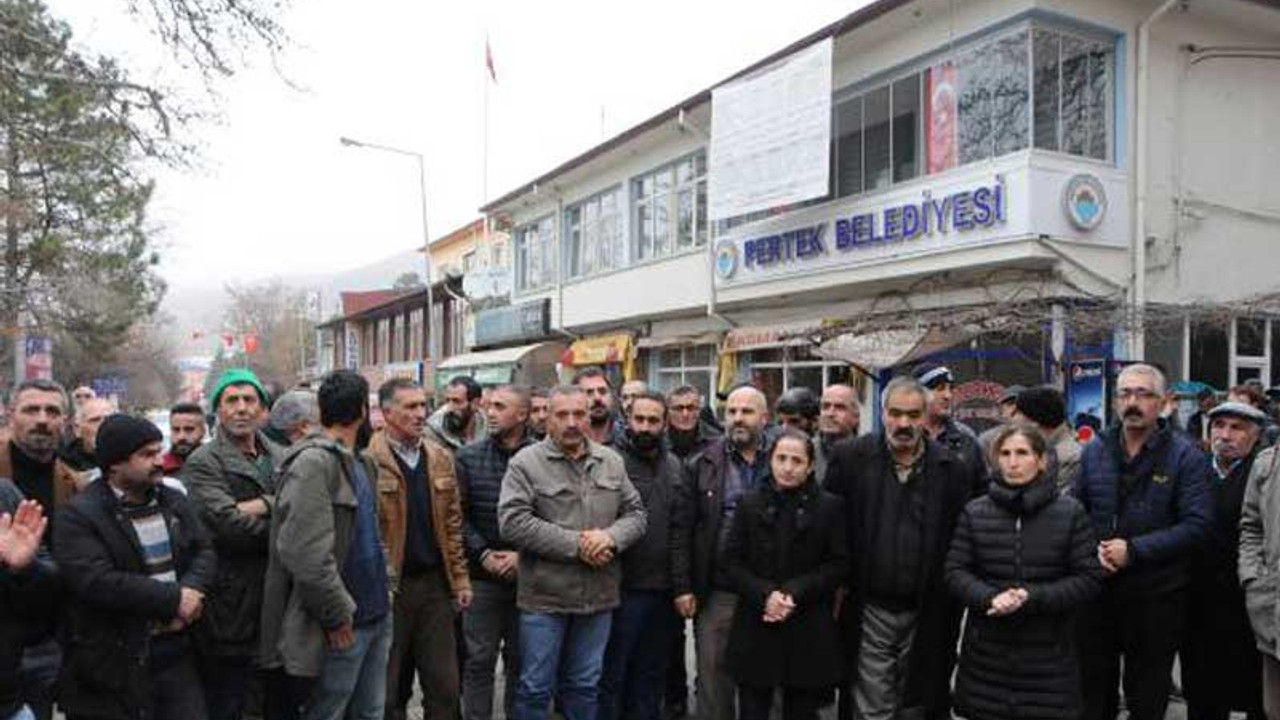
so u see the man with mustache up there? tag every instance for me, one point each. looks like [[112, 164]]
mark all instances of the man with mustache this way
[[460, 420], [798, 408], [37, 413], [839, 414], [716, 479], [138, 564], [231, 481], [904, 493], [605, 427], [186, 433], [952, 434], [1144, 487], [635, 664], [569, 509], [538, 413], [1221, 670]]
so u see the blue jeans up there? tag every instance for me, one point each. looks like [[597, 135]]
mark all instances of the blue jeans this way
[[635, 664], [564, 654], [353, 682]]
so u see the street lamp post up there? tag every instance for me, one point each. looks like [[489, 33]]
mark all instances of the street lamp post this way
[[426, 237]]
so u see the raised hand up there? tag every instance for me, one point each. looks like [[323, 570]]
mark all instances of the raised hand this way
[[20, 534]]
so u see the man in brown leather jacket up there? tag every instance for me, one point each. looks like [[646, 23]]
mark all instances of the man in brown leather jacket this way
[[421, 516]]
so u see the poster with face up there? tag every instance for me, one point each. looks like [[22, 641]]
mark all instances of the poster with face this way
[[940, 111]]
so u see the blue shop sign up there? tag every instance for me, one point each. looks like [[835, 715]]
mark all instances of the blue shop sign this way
[[959, 212]]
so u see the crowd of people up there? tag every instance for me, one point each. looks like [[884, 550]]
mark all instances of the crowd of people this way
[[296, 562]]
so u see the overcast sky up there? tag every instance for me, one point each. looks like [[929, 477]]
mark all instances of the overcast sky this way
[[278, 195]]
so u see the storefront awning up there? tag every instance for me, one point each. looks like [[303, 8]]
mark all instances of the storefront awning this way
[[490, 367], [758, 337], [881, 349], [604, 350], [664, 341]]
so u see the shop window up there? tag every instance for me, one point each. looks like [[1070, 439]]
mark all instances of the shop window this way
[[593, 235], [1164, 349], [1073, 81], [673, 367], [535, 255], [670, 208], [776, 370], [1209, 355], [992, 97], [1251, 337]]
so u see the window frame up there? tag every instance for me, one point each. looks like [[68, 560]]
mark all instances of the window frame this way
[[567, 258], [636, 201], [520, 255], [658, 370]]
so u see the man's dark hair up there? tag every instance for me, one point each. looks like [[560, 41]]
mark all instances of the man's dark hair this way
[[685, 390], [387, 391], [187, 408], [1043, 406], [521, 393], [590, 372], [344, 398], [474, 391], [652, 395], [39, 384], [539, 392], [799, 401]]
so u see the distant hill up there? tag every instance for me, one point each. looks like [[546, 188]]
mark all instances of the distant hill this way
[[198, 309]]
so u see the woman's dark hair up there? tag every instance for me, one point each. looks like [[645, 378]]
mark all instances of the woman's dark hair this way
[[1034, 437], [343, 398], [794, 434]]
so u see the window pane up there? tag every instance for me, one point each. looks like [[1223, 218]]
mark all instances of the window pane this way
[[1244, 374], [661, 226], [700, 164], [1251, 337], [810, 377], [1209, 354], [940, 90], [670, 358], [701, 218], [668, 381], [644, 232], [662, 181], [700, 356], [770, 355], [848, 169], [906, 128], [769, 381], [1010, 94], [877, 140], [1099, 89], [1275, 351], [700, 379], [1046, 90], [684, 172], [684, 219], [1075, 95], [975, 71]]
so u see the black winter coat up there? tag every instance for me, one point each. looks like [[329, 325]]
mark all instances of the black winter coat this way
[[106, 669], [1022, 665], [859, 471], [25, 596], [646, 565], [793, 541]]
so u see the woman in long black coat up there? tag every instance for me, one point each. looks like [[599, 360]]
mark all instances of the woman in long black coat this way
[[1023, 559], [786, 556]]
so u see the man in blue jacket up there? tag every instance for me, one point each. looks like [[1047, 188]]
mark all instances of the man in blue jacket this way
[[1145, 488]]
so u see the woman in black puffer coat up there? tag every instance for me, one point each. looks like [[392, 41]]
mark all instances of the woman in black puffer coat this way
[[1022, 560]]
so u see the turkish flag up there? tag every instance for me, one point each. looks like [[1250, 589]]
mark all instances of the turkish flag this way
[[251, 343]]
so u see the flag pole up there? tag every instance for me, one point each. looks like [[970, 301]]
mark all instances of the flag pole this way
[[486, 70]]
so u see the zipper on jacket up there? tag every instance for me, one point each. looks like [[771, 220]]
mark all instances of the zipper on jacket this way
[[1017, 547]]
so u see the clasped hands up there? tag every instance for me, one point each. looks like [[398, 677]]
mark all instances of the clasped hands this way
[[190, 607], [1007, 602], [778, 607], [596, 547]]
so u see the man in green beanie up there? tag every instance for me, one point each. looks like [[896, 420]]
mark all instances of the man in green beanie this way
[[231, 482]]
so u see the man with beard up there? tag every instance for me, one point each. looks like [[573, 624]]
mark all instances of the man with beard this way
[[946, 430], [798, 408], [492, 622], [1144, 487], [903, 492], [420, 514], [459, 421], [79, 452], [326, 616], [139, 565], [716, 479], [186, 433], [538, 413], [838, 417], [636, 662], [1221, 670], [37, 411], [631, 390], [605, 426], [569, 509], [231, 481]]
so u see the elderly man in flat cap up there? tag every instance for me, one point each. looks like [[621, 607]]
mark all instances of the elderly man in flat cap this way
[[1221, 670]]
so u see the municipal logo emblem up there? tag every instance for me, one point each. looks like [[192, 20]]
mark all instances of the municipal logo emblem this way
[[1085, 202], [726, 259]]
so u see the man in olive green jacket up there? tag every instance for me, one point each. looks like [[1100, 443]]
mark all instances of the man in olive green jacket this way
[[569, 508]]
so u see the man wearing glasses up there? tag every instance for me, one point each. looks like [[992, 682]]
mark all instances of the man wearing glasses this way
[[1145, 488]]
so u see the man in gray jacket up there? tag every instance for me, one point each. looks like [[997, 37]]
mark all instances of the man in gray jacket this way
[[569, 508], [326, 616], [1259, 568]]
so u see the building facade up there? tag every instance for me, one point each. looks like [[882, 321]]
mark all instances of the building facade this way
[[1018, 187]]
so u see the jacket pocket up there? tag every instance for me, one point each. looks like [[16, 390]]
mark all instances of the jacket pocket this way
[[606, 498], [100, 664], [1260, 603], [555, 501]]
